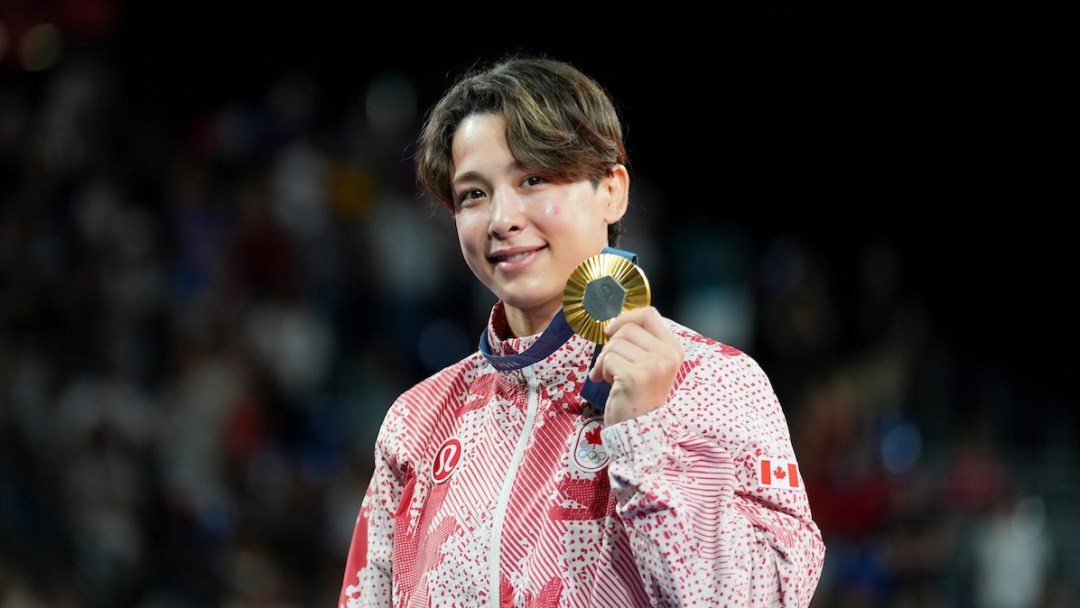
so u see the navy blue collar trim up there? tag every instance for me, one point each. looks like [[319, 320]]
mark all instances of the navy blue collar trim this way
[[556, 334]]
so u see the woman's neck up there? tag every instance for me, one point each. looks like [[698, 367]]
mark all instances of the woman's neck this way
[[522, 323]]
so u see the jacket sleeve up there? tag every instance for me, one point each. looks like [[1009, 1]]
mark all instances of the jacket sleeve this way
[[707, 525], [368, 580]]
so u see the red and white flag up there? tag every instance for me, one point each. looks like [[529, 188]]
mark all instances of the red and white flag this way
[[782, 474]]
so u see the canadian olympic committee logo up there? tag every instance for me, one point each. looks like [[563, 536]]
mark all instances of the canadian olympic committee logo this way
[[446, 460], [588, 451]]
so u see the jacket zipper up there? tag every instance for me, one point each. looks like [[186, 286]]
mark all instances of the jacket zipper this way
[[508, 486]]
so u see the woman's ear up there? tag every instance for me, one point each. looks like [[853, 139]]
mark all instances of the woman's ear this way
[[616, 187]]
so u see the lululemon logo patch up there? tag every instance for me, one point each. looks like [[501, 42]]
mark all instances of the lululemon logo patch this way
[[446, 460], [588, 451]]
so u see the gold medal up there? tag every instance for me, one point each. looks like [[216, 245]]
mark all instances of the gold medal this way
[[600, 289]]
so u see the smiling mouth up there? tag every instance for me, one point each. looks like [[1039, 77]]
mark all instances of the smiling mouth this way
[[514, 257], [511, 258]]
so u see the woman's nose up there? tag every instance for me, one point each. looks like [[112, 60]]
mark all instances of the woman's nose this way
[[507, 215]]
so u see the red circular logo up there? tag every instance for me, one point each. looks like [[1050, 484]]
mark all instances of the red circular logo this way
[[446, 460]]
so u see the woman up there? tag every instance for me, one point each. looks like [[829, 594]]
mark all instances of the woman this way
[[655, 469]]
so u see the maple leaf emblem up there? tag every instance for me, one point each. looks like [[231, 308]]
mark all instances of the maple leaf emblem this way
[[593, 435], [779, 473]]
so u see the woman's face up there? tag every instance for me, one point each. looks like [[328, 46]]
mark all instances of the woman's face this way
[[521, 233]]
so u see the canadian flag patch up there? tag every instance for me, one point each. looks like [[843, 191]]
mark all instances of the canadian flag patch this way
[[782, 474]]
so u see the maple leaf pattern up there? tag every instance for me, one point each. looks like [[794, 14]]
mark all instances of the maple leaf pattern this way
[[725, 349], [593, 497], [582, 526], [479, 394], [593, 436], [730, 351]]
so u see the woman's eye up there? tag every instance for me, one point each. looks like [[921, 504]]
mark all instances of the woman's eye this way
[[469, 195], [533, 180]]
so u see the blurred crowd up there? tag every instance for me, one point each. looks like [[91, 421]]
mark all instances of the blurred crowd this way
[[204, 317]]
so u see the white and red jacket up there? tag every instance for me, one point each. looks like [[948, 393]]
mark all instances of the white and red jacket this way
[[503, 489]]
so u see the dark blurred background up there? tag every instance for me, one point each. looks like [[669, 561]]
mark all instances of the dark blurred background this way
[[216, 274]]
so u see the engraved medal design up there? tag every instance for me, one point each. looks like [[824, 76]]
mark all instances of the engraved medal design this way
[[600, 288]]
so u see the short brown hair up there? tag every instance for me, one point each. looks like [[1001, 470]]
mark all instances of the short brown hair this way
[[557, 118]]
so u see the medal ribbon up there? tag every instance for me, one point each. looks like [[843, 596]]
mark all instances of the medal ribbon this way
[[556, 334]]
